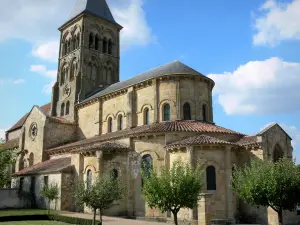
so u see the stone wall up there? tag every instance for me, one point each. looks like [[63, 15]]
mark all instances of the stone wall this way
[[13, 134], [57, 133], [10, 199], [88, 121]]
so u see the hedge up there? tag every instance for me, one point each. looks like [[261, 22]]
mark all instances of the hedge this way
[[65, 219]]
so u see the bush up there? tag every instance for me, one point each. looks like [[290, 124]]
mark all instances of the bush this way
[[65, 219], [72, 220]]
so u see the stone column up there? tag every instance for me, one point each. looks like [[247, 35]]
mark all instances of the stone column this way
[[190, 152], [178, 104], [228, 181], [156, 101], [204, 209], [100, 164]]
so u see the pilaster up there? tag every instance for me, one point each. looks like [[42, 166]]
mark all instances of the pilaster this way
[[100, 163], [228, 182]]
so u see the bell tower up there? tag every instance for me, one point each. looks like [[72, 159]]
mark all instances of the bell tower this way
[[89, 56]]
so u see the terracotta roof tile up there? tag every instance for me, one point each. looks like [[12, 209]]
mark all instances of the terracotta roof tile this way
[[163, 127], [199, 140], [102, 146], [248, 141], [11, 144], [49, 166], [46, 108]]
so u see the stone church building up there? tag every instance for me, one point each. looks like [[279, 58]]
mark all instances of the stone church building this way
[[96, 123]]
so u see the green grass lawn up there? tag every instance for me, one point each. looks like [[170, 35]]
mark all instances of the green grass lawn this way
[[23, 212], [34, 223]]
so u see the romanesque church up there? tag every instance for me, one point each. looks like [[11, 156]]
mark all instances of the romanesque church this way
[[96, 123]]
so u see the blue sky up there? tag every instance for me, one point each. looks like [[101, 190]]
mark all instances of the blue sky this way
[[250, 48]]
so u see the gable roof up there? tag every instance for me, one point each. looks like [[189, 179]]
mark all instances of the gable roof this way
[[98, 8], [44, 108], [271, 126], [172, 68], [49, 166]]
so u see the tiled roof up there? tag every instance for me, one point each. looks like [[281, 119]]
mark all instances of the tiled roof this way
[[44, 108], [98, 8], [102, 146], [198, 140], [18, 124], [163, 127], [49, 166], [11, 144], [248, 141], [172, 68]]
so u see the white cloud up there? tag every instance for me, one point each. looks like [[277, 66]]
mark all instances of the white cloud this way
[[37, 22], [49, 74], [259, 87], [277, 22], [47, 51]]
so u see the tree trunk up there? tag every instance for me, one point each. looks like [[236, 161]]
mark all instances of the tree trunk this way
[[94, 218], [280, 217], [175, 218], [100, 215], [49, 206]]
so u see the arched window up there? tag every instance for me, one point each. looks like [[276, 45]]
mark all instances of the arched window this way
[[68, 108], [187, 111], [147, 165], [68, 46], [110, 47], [73, 70], [146, 116], [166, 112], [31, 159], [277, 153], [114, 173], [62, 109], [109, 125], [91, 40], [96, 42], [104, 47], [204, 112], [64, 48], [89, 179], [120, 122], [73, 47], [211, 183], [62, 76]]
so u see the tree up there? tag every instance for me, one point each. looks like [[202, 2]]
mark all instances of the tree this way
[[180, 187], [50, 192], [268, 184], [7, 158], [101, 195]]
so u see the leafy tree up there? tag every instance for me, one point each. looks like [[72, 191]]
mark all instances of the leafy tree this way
[[50, 192], [101, 195], [179, 187], [7, 158], [268, 184]]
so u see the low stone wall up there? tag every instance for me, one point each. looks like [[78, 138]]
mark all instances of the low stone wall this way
[[9, 199]]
